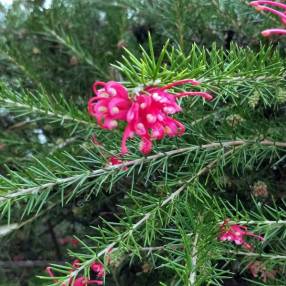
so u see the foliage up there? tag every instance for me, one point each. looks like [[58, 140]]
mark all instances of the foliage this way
[[162, 215]]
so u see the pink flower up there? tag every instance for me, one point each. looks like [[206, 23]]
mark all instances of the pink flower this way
[[270, 32], [97, 267], [147, 115], [110, 104], [262, 6], [236, 233], [114, 160]]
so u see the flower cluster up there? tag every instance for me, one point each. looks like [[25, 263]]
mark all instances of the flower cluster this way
[[96, 267], [147, 114], [264, 6], [236, 233]]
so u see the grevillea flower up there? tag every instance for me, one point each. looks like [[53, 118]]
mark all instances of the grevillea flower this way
[[264, 6], [96, 267], [148, 114], [236, 233]]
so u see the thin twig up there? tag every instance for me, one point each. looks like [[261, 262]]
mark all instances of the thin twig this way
[[181, 246], [28, 263], [49, 113], [63, 144], [193, 274], [267, 222], [258, 254]]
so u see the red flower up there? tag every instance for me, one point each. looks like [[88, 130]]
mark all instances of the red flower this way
[[97, 267], [148, 115], [114, 160], [262, 6], [236, 233]]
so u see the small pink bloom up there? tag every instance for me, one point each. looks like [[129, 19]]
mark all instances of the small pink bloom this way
[[51, 274], [98, 268], [145, 145], [267, 2], [76, 264], [236, 233], [262, 6], [270, 32], [114, 160], [281, 15]]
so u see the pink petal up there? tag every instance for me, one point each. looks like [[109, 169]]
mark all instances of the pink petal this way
[[270, 32], [151, 118], [98, 268], [128, 133], [116, 89], [180, 82], [205, 95], [158, 131], [271, 3], [110, 123], [140, 129], [145, 145], [180, 126], [273, 11], [132, 113], [96, 84], [118, 108]]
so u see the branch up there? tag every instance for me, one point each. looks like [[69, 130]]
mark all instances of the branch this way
[[267, 222], [181, 246], [27, 263], [62, 116], [227, 144], [193, 274], [258, 254]]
